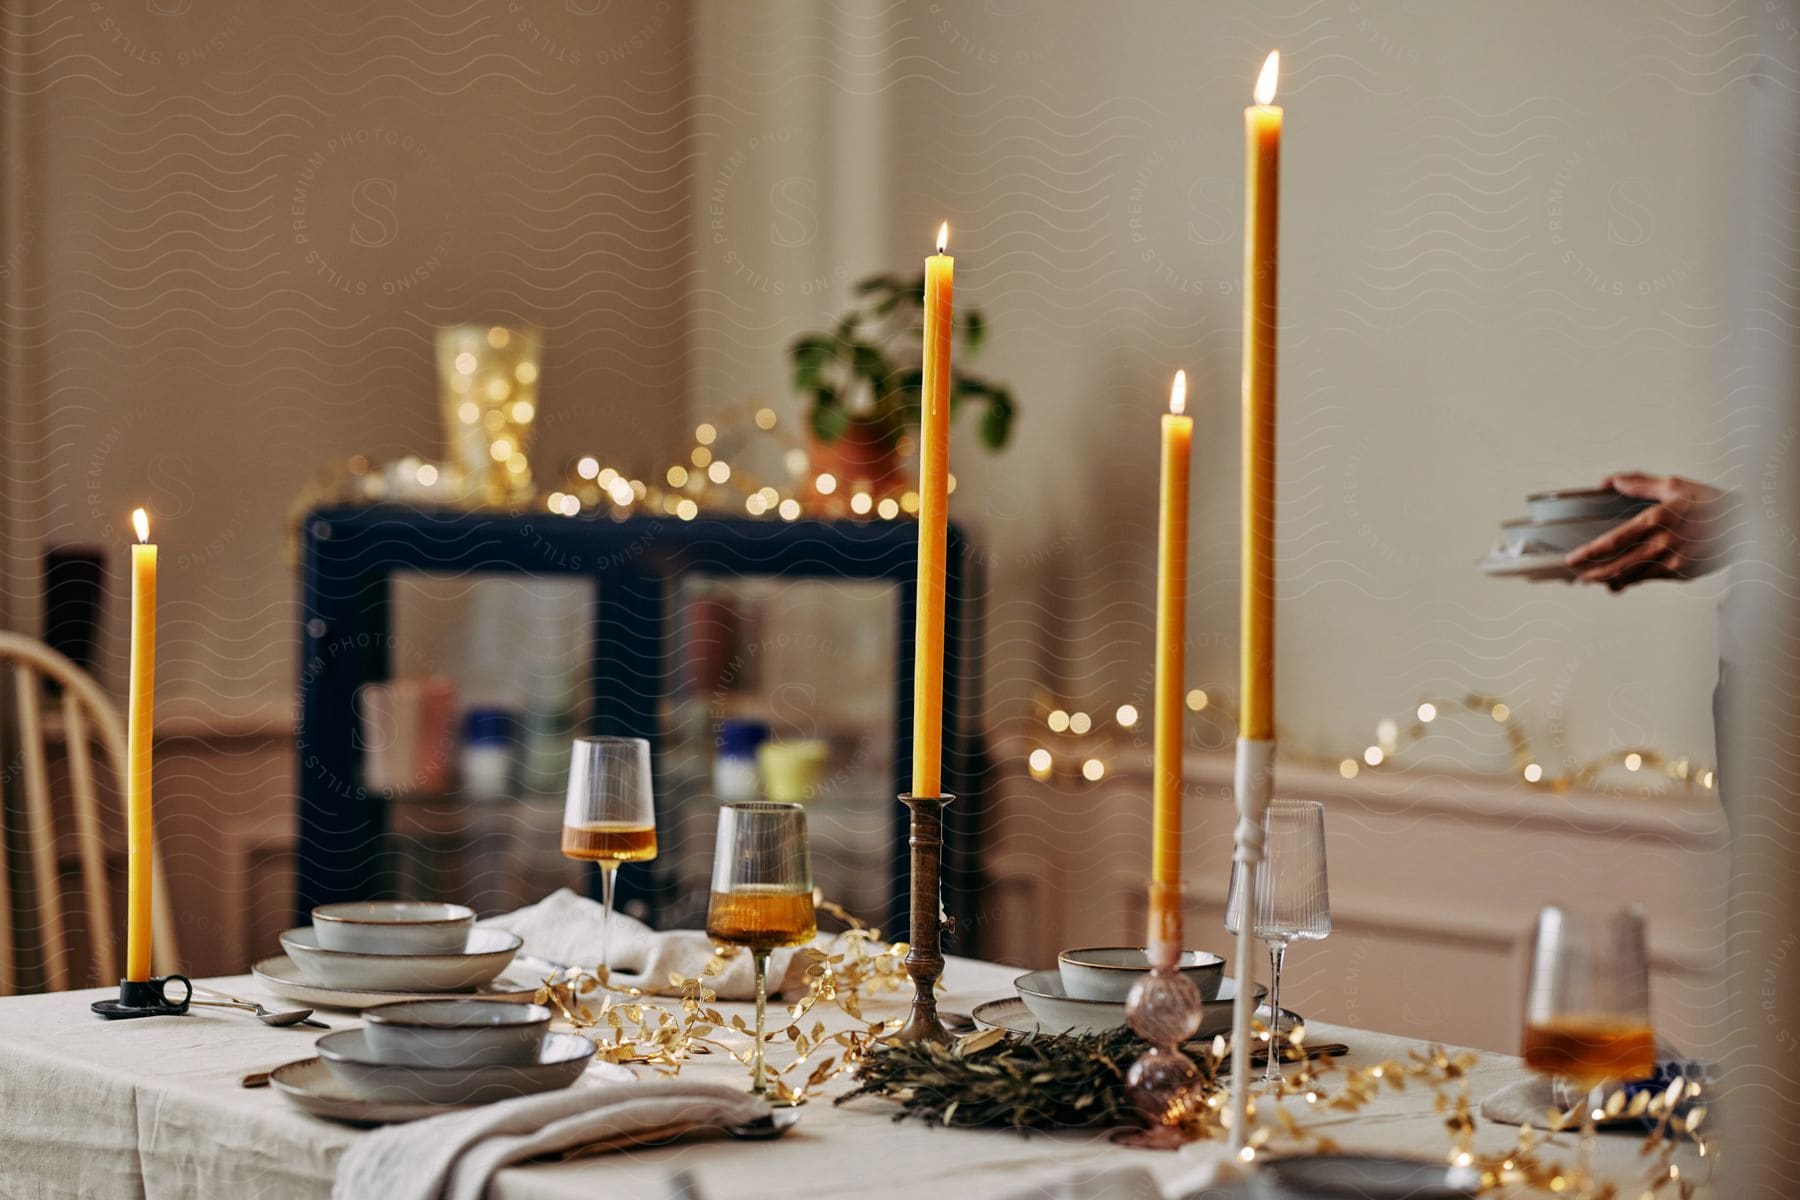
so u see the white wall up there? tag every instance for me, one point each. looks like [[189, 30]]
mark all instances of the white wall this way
[[1501, 247]]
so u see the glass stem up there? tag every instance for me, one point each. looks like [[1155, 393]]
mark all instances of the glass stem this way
[[1272, 1066], [609, 871], [1584, 1154], [761, 958]]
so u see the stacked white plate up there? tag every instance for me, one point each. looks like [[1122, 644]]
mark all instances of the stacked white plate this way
[[357, 955], [1535, 546], [420, 1058]]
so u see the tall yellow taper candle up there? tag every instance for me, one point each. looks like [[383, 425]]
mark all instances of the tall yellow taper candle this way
[[934, 498], [1262, 177], [1171, 638], [139, 719]]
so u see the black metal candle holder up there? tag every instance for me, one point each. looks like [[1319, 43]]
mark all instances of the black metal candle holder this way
[[925, 957], [146, 998]]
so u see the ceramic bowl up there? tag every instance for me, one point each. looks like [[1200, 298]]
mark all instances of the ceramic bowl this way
[[1370, 1177], [393, 927], [560, 1061], [1553, 537], [455, 1033], [1586, 504], [1107, 972], [486, 955], [1058, 1012]]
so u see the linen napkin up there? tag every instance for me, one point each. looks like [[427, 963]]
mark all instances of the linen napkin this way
[[565, 928], [455, 1156]]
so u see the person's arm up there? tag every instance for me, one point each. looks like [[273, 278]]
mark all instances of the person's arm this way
[[1684, 535]]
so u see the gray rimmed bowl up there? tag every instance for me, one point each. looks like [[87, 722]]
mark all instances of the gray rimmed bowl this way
[[1554, 537], [1107, 972], [455, 1033], [393, 927], [1057, 1012], [559, 1062], [1583, 504], [486, 954]]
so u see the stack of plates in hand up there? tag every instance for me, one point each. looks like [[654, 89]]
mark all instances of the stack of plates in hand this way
[[419, 1057], [1534, 547], [375, 952]]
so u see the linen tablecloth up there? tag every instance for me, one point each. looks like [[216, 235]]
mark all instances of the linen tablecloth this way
[[153, 1108]]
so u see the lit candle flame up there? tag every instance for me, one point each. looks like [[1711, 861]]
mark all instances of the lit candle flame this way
[[1265, 83], [140, 520], [943, 236], [1178, 394]]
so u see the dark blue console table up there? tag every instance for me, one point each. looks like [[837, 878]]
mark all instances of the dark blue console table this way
[[350, 554]]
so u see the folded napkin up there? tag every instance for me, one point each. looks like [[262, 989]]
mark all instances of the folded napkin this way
[[455, 1156], [565, 928]]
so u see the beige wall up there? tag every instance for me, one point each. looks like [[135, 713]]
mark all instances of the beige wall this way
[[229, 231], [247, 217], [1502, 237]]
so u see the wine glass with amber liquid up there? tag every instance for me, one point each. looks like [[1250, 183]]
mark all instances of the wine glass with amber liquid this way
[[761, 893], [1587, 1010], [610, 817]]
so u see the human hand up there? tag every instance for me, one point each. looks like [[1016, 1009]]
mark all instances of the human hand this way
[[1684, 535]]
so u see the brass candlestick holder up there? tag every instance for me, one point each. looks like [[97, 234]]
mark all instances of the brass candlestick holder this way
[[146, 998], [925, 957]]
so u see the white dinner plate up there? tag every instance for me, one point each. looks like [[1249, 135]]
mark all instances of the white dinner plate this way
[[519, 981], [310, 1086], [1065, 1015], [1526, 566], [559, 1061], [488, 953]]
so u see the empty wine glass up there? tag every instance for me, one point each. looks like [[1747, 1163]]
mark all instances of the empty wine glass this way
[[1587, 1009], [761, 892], [1293, 898], [610, 816]]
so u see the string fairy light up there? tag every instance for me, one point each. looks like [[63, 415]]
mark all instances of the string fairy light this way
[[1088, 759]]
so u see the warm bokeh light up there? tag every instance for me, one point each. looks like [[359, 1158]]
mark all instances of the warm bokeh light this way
[[588, 467], [1126, 715], [1427, 712], [1092, 770], [1265, 82], [1373, 756], [1196, 700], [1080, 722], [826, 483], [1178, 394], [140, 521], [1533, 772]]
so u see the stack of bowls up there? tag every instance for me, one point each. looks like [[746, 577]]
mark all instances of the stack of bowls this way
[[398, 946], [454, 1052], [1088, 990], [1564, 520]]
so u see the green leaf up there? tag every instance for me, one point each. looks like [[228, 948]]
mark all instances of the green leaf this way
[[996, 422], [974, 330], [829, 421]]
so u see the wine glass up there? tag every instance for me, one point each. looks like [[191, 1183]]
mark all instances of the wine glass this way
[[610, 816], [761, 892], [1293, 899], [1587, 1009]]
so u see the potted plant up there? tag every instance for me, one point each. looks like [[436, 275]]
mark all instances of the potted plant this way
[[862, 382]]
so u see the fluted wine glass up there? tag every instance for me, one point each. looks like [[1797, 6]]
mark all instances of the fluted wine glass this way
[[610, 815], [1293, 898], [1587, 1009], [761, 892]]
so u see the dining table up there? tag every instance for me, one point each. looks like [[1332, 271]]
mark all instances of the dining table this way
[[156, 1108]]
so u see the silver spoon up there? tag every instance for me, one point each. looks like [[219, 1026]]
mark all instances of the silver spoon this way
[[298, 1016]]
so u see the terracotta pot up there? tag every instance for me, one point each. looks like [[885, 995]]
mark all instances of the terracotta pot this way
[[867, 453]]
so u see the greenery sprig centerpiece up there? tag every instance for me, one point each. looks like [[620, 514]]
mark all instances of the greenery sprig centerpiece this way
[[862, 378]]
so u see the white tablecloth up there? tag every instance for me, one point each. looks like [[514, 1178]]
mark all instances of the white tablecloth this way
[[153, 1108]]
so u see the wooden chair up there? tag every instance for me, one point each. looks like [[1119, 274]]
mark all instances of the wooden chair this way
[[87, 716]]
